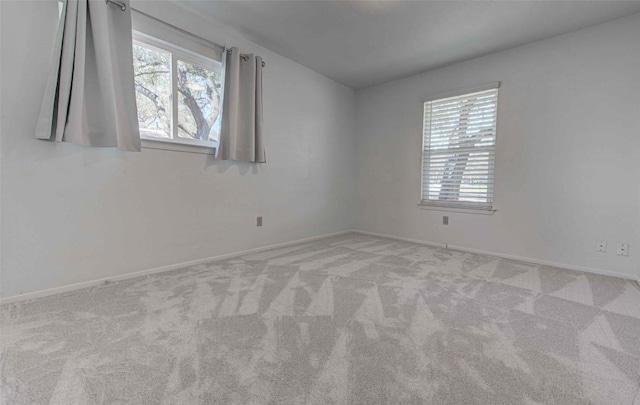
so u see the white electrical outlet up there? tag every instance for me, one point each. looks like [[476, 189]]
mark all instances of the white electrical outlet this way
[[601, 246], [623, 249]]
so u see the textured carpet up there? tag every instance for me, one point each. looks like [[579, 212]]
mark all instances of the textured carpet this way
[[351, 319]]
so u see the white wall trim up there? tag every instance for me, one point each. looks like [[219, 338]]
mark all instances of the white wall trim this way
[[459, 209], [162, 269], [384, 235], [176, 147], [460, 91], [506, 256]]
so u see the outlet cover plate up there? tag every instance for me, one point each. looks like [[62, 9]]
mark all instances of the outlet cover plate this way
[[601, 246], [622, 249]]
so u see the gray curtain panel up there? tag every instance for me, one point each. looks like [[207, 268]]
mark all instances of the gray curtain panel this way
[[90, 93], [241, 136]]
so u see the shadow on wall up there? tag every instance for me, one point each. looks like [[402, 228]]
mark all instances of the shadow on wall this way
[[224, 165], [42, 152]]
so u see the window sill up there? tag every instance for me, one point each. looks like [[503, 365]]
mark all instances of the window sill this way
[[177, 146], [462, 210]]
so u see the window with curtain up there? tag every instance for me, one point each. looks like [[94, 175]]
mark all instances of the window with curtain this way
[[458, 150], [178, 93], [179, 86]]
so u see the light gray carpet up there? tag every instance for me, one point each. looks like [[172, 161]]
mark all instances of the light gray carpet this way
[[351, 319]]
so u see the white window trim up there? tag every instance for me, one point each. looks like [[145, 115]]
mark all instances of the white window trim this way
[[460, 207], [178, 144], [183, 54], [462, 91], [463, 210], [175, 146]]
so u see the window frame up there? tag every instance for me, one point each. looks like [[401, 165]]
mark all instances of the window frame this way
[[178, 53], [459, 206]]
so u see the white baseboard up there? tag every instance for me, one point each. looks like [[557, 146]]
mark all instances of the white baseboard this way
[[506, 256], [107, 280], [419, 241]]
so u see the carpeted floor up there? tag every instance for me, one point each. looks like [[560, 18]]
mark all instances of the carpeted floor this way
[[351, 319]]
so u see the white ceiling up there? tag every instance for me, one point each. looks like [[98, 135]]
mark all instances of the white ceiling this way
[[362, 43]]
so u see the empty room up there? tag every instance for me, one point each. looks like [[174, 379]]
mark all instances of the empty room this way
[[319, 202]]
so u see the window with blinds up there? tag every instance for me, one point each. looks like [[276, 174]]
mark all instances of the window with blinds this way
[[458, 150]]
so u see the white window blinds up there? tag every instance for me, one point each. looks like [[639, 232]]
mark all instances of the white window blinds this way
[[458, 150]]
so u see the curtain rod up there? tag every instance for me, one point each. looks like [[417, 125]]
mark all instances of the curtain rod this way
[[123, 7]]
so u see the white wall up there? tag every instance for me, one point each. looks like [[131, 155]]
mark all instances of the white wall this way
[[568, 151], [72, 214], [567, 167]]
